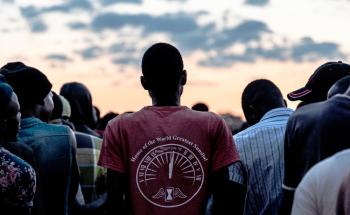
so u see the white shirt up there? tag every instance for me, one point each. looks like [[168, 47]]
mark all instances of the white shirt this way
[[317, 192]]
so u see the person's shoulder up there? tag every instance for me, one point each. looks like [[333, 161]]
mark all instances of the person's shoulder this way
[[82, 138], [329, 164], [13, 158], [54, 131], [122, 117], [203, 115], [306, 110], [60, 129]]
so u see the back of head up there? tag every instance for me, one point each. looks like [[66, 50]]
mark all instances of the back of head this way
[[200, 107], [80, 102], [58, 107], [259, 97], [105, 119], [339, 87], [30, 84], [162, 67], [9, 109]]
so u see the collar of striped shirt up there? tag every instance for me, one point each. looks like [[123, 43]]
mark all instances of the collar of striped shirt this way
[[276, 113]]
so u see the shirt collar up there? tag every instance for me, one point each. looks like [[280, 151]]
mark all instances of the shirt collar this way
[[277, 112], [30, 121]]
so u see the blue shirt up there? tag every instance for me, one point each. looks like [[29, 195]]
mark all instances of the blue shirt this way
[[261, 149]]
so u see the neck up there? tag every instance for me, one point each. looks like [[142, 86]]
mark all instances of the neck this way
[[158, 102], [166, 100]]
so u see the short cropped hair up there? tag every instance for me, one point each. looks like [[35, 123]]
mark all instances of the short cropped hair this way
[[162, 66], [261, 92]]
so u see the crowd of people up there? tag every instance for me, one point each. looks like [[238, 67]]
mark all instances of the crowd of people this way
[[59, 157]]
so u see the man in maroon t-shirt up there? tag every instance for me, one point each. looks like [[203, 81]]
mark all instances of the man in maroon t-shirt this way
[[166, 158]]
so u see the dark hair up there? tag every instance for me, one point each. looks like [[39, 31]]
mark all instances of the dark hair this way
[[58, 107], [162, 66], [105, 119], [262, 93], [80, 100], [200, 107], [339, 87]]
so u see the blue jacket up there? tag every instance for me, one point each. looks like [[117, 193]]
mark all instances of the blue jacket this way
[[57, 171]]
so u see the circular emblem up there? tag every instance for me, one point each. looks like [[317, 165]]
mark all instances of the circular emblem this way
[[169, 175]]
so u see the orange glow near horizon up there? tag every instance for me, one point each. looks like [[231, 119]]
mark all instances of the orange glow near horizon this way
[[220, 89]]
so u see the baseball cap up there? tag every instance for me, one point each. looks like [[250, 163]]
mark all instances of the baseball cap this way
[[320, 82]]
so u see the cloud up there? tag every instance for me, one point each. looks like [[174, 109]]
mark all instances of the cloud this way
[[7, 1], [190, 36], [180, 27], [77, 25], [91, 52], [110, 2], [309, 50], [126, 60], [123, 48], [58, 57], [169, 23], [250, 55], [256, 2], [66, 7], [37, 26], [33, 14], [304, 50], [29, 12], [187, 32], [247, 31]]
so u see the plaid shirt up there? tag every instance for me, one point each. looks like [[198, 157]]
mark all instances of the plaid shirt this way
[[92, 176]]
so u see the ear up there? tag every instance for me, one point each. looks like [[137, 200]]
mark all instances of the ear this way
[[144, 82], [184, 77]]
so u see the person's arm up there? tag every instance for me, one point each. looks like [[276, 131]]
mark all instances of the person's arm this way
[[228, 195], [116, 193]]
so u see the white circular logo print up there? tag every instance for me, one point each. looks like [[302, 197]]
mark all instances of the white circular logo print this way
[[169, 175]]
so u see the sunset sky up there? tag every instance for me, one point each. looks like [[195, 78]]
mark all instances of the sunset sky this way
[[225, 44]]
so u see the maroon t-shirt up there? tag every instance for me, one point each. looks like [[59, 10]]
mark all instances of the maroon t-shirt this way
[[168, 154]]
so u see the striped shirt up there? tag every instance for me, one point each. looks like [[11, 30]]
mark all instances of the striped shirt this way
[[261, 150]]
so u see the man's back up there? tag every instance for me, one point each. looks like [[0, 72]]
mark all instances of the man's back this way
[[54, 158], [317, 192], [314, 133], [261, 150], [167, 154]]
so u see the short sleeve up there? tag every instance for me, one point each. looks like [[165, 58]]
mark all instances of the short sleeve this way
[[224, 150], [112, 156]]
